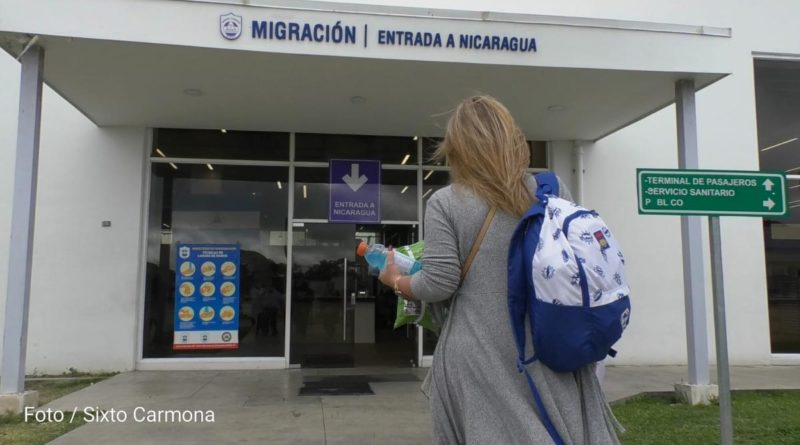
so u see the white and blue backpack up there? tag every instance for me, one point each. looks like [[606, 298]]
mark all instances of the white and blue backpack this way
[[566, 276]]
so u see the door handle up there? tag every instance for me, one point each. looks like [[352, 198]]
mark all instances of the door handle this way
[[344, 302], [355, 290]]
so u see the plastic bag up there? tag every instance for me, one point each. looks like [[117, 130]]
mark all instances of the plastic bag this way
[[413, 311]]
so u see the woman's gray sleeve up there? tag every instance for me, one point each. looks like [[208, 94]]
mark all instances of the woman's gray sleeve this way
[[441, 266]]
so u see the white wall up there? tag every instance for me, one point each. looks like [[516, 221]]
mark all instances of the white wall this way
[[727, 140], [87, 175], [84, 285], [709, 12]]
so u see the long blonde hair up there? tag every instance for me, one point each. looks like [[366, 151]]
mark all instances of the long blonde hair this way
[[487, 153]]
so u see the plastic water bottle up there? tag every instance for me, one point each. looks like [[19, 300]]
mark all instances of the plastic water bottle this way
[[375, 255]]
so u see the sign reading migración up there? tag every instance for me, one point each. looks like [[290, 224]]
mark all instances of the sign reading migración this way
[[232, 26]]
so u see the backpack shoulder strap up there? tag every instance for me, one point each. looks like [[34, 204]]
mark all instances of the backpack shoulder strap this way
[[537, 398], [546, 184]]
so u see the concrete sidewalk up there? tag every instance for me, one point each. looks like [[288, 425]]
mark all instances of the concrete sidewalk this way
[[265, 407]]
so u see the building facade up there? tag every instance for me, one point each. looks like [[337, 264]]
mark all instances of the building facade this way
[[214, 123]]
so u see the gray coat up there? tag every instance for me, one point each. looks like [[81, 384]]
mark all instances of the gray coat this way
[[477, 394]]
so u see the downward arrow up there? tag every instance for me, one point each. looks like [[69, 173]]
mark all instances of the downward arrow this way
[[354, 180], [769, 204], [768, 185]]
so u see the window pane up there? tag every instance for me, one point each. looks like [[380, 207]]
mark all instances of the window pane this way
[[214, 144], [777, 85], [538, 151], [311, 193], [432, 180], [324, 147], [538, 154], [399, 195], [229, 205], [429, 146], [429, 340]]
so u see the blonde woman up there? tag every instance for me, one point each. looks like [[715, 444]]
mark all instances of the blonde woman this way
[[477, 394]]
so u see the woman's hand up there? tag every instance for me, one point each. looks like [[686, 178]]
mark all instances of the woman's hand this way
[[391, 272], [391, 276]]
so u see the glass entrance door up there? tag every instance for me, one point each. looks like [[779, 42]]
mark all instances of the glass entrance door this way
[[387, 345], [323, 295], [341, 315]]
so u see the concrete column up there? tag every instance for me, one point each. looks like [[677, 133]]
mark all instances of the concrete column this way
[[12, 374], [698, 389], [561, 161], [579, 171]]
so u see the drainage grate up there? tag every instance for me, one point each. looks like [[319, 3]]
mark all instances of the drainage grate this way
[[327, 361], [347, 385]]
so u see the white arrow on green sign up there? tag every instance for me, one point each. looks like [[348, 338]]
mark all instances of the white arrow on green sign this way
[[711, 192]]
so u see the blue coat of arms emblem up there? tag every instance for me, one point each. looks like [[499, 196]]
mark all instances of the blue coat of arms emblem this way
[[230, 26]]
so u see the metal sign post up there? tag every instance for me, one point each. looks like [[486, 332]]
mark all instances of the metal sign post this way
[[721, 333], [714, 193]]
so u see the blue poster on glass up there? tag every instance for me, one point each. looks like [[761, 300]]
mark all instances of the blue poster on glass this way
[[206, 296]]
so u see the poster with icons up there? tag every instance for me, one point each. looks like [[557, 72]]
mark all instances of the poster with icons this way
[[206, 296]]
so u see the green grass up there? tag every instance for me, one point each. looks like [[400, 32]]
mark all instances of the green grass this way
[[759, 417], [14, 429]]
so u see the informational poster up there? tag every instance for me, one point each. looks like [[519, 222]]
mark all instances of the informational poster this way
[[206, 296]]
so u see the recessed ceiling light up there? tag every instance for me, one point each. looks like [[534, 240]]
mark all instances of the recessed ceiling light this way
[[305, 191], [358, 100], [779, 144], [193, 92], [173, 165], [223, 130], [416, 138], [160, 153], [428, 175], [280, 187], [405, 159], [556, 108], [404, 190], [210, 167], [427, 193]]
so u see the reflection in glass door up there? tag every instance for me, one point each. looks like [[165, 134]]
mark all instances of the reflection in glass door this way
[[341, 315], [218, 204], [323, 295]]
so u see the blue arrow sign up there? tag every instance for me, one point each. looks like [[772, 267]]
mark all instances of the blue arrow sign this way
[[355, 191]]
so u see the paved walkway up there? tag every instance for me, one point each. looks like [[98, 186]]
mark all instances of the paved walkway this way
[[264, 407]]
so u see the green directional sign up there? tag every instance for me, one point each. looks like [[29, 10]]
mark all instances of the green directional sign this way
[[711, 192]]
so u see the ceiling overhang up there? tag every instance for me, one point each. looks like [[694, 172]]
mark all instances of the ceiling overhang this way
[[586, 78]]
